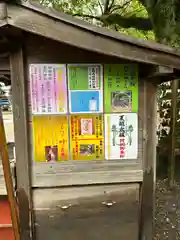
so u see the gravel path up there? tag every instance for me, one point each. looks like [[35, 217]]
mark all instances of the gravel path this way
[[167, 216]]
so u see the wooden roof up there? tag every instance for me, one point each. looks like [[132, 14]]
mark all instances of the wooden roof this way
[[47, 22]]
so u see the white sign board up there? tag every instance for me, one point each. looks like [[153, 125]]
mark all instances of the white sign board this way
[[121, 136]]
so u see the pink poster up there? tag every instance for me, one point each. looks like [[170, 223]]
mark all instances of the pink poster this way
[[48, 89]]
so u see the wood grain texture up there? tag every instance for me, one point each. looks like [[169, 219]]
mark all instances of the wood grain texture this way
[[82, 213], [149, 164], [34, 22], [86, 178], [21, 140]]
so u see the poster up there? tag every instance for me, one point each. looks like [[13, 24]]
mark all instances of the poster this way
[[85, 88], [50, 138], [87, 140], [121, 136], [48, 88], [120, 88], [87, 150]]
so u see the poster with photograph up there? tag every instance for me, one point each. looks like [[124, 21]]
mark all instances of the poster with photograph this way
[[87, 140], [48, 88], [50, 138], [85, 88], [88, 149], [120, 88], [121, 136], [86, 126]]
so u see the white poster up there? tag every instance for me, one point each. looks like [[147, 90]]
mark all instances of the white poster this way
[[121, 136]]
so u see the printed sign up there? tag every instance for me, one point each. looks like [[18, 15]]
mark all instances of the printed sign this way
[[120, 88], [85, 88], [121, 136], [50, 138], [48, 88], [87, 141], [87, 150]]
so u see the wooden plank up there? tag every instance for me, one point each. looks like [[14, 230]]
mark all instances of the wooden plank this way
[[106, 211], [86, 178], [172, 138], [149, 179], [50, 198], [40, 24], [21, 140], [52, 13]]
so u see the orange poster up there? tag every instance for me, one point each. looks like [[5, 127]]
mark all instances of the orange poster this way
[[87, 140]]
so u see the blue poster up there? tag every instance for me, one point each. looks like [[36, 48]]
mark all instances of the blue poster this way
[[85, 101]]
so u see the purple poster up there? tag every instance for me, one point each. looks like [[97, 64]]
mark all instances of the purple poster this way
[[48, 89]]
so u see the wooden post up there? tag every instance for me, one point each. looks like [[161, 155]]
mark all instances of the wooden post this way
[[149, 162], [20, 112], [174, 87], [8, 180]]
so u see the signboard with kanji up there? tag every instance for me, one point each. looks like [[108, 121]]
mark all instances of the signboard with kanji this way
[[87, 137], [120, 88], [50, 138], [84, 111], [121, 136], [85, 88], [48, 88]]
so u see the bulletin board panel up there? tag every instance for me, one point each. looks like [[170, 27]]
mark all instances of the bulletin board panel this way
[[85, 119]]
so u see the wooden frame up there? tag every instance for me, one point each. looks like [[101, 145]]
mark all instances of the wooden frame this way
[[21, 141], [79, 172], [60, 28], [147, 190]]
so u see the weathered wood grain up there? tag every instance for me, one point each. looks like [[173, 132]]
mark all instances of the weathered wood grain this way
[[149, 162], [19, 97], [108, 212]]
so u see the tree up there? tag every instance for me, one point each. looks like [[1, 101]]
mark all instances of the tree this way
[[127, 16], [162, 17]]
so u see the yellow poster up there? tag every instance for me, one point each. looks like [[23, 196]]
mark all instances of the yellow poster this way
[[88, 149], [86, 126], [87, 140], [50, 138]]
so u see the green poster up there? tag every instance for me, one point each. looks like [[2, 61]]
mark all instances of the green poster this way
[[120, 88], [84, 77]]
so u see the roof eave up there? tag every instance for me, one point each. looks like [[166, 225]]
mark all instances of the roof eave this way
[[44, 25]]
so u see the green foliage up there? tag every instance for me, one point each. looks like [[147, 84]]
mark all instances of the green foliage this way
[[126, 16], [147, 19]]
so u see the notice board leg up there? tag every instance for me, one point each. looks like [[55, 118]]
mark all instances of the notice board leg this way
[[149, 166], [20, 112]]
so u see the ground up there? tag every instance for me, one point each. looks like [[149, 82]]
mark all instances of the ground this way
[[167, 216]]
